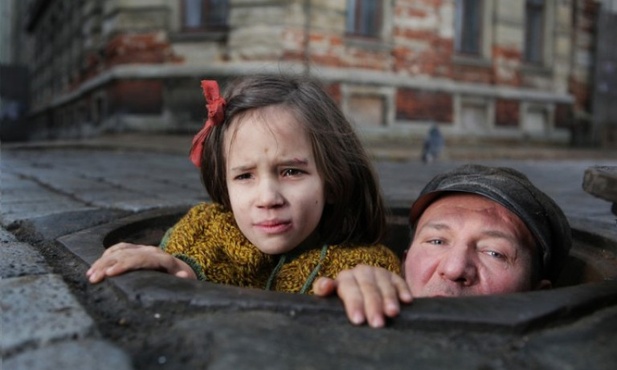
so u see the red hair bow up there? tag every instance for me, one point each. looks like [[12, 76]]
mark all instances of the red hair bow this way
[[216, 114]]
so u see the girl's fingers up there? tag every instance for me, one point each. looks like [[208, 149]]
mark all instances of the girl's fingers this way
[[349, 292], [324, 286], [388, 293], [404, 294], [120, 258]]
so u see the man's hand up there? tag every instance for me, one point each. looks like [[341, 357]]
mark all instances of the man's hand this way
[[368, 293], [124, 257]]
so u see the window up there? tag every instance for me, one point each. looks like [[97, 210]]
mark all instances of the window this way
[[364, 18], [468, 23], [202, 15], [534, 31]]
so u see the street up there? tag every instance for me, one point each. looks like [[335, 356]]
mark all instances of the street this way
[[61, 202]]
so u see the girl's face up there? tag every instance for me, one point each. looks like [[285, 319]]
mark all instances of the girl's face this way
[[276, 193]]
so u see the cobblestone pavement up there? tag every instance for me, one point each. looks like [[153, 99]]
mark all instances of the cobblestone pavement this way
[[58, 195]]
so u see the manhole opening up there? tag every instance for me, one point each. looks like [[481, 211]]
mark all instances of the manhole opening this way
[[588, 262]]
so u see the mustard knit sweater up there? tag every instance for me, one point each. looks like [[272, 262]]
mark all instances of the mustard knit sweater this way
[[208, 239]]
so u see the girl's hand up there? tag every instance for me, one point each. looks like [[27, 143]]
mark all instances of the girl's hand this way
[[368, 293], [124, 257]]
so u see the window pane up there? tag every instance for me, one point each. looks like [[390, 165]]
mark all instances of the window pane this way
[[200, 15], [534, 30], [364, 17], [468, 26], [217, 12], [192, 13], [368, 21], [351, 16]]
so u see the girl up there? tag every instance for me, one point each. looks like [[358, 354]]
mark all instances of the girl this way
[[294, 194]]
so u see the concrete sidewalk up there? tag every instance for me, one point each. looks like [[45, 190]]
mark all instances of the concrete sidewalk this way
[[59, 201]]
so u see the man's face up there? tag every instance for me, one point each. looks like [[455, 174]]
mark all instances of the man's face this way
[[466, 244]]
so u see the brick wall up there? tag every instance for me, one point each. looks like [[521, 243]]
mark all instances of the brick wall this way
[[424, 105], [139, 48]]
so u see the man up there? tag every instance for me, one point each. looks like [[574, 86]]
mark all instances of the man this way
[[476, 230]]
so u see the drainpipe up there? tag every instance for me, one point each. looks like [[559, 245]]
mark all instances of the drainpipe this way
[[307, 37]]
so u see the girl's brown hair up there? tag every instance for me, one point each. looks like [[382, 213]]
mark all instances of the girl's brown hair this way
[[357, 214]]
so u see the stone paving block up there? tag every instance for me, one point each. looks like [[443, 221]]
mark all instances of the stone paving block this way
[[112, 197], [162, 189], [50, 227], [140, 205], [29, 194], [39, 309], [187, 180], [12, 182], [71, 185], [83, 354], [51, 204], [601, 181], [19, 188], [21, 259]]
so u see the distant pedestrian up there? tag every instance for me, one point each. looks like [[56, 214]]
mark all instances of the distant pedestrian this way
[[294, 195], [433, 145]]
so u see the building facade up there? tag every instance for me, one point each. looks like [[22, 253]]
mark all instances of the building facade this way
[[515, 69]]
